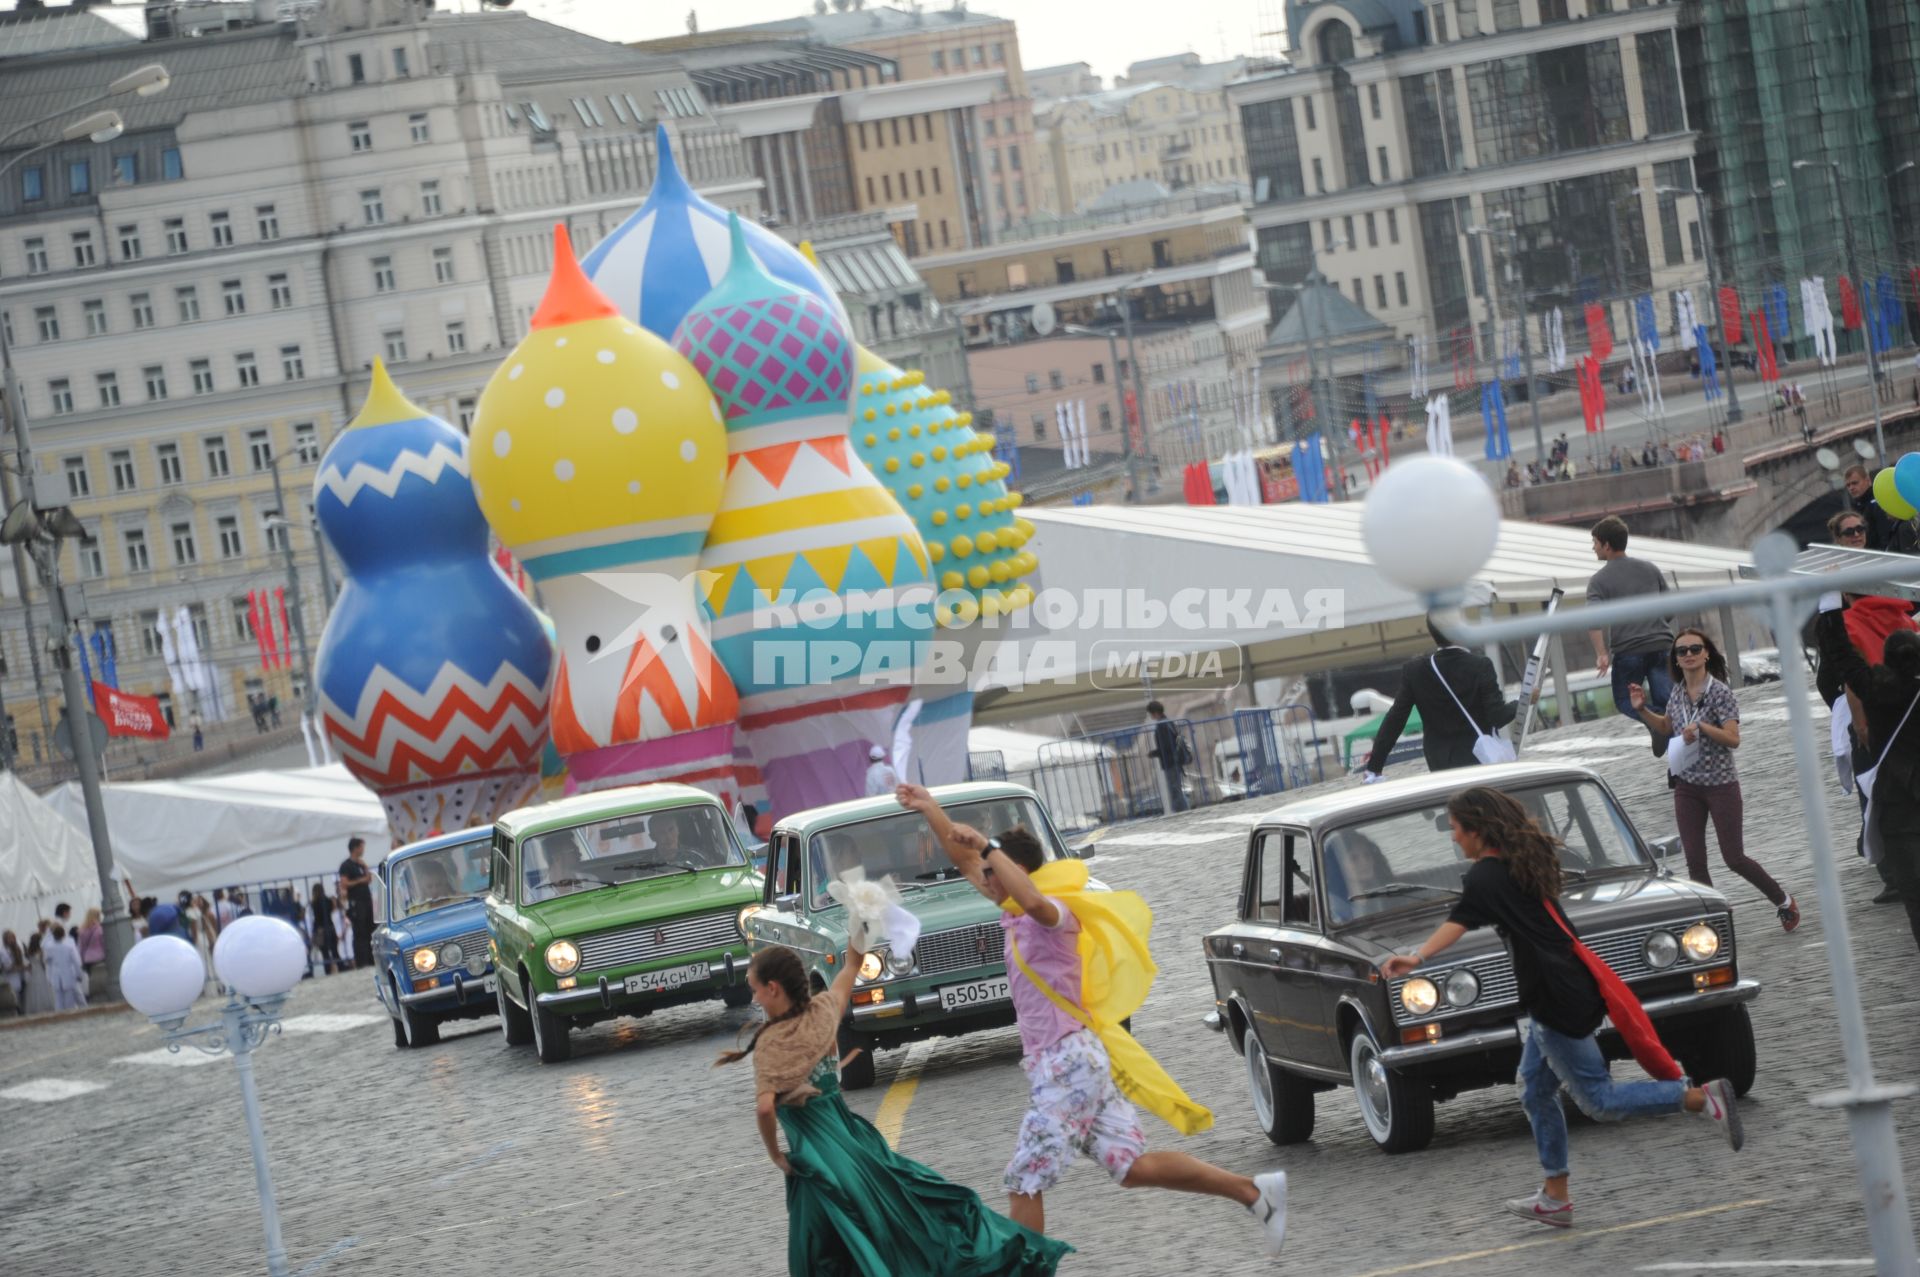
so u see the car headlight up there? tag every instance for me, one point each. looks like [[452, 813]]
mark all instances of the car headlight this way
[[871, 964], [898, 964], [425, 961], [1700, 941], [1661, 950], [563, 957], [1419, 996], [451, 954], [740, 919], [1462, 987]]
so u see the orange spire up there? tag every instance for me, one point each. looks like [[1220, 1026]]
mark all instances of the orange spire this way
[[571, 297]]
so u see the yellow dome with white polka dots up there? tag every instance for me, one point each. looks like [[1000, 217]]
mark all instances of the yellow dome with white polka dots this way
[[594, 436]]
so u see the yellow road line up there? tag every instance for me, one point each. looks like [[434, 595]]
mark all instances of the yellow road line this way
[[892, 1114], [1567, 1236]]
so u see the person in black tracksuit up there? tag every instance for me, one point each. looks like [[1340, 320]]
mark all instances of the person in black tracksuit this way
[[1171, 752], [1448, 736]]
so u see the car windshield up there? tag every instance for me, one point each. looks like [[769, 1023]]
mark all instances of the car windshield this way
[[444, 876], [627, 848], [1393, 861], [903, 846]]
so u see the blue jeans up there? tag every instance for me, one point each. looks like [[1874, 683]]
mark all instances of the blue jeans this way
[[1550, 1059], [1641, 667]]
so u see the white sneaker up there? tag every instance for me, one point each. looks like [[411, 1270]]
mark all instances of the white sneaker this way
[[1543, 1209], [1723, 1111], [1271, 1208]]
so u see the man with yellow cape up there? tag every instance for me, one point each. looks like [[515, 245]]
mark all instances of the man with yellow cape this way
[[1078, 965]]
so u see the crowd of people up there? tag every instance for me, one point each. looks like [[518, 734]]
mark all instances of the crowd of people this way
[[54, 969], [1560, 465]]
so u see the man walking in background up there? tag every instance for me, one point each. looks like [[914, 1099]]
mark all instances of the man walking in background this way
[[356, 879], [1172, 752], [1459, 698], [1633, 651]]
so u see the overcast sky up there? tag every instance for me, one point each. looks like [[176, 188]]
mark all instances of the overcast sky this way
[[1051, 31]]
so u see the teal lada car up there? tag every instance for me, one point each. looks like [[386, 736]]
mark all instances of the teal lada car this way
[[955, 979], [615, 904]]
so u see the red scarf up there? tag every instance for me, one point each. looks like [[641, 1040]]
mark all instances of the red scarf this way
[[1628, 1016]]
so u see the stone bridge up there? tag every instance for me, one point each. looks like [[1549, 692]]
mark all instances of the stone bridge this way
[[1768, 478]]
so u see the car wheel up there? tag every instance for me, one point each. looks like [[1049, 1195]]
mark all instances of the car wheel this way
[[417, 1029], [516, 1026], [550, 1033], [737, 997], [857, 1073], [1397, 1110], [1282, 1103], [1720, 1044], [400, 1034]]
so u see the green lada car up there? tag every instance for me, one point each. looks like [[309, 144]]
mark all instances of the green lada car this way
[[615, 903], [955, 980]]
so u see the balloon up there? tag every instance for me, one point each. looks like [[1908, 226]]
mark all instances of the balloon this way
[[1887, 493], [433, 668], [1906, 478], [1430, 523]]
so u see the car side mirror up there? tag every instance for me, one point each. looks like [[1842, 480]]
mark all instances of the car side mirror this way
[[1085, 851], [1667, 847], [787, 901]]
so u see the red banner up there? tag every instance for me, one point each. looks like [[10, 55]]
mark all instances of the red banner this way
[[1849, 305], [1599, 333], [1730, 314], [262, 627], [128, 715]]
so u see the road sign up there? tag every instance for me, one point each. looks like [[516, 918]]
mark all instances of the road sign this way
[[63, 736]]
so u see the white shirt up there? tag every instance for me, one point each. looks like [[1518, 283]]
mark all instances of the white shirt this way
[[881, 779], [225, 911]]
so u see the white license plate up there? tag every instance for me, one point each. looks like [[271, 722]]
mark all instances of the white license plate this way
[[667, 981], [490, 984], [975, 993]]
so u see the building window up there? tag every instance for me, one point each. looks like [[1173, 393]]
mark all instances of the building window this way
[[129, 243], [83, 249], [356, 69], [93, 564], [135, 542], [259, 450], [78, 483], [465, 409], [185, 552], [80, 177], [156, 378], [1055, 381], [37, 263], [233, 296], [430, 199], [293, 366], [417, 125], [121, 462], [1373, 100], [939, 59], [1099, 374], [1400, 286], [306, 442], [48, 321], [1380, 291], [1033, 383], [1386, 170], [107, 386], [170, 164], [227, 529], [395, 342], [1039, 426], [1319, 176], [168, 455], [246, 369], [60, 391], [1106, 416], [279, 292], [1013, 157], [400, 63], [383, 281], [1312, 121], [266, 221], [214, 447], [456, 337], [1393, 226], [202, 371], [1373, 232], [372, 208], [220, 226], [443, 265], [176, 236], [33, 183], [1346, 223], [95, 313], [273, 530], [242, 611]]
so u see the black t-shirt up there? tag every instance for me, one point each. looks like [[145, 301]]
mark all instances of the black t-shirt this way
[[1555, 988], [351, 869]]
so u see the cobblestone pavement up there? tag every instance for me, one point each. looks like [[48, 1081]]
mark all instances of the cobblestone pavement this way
[[636, 1156]]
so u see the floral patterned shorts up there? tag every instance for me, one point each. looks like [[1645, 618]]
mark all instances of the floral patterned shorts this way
[[1075, 1108]]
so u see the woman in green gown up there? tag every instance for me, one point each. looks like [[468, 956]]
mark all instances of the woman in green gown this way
[[854, 1206]]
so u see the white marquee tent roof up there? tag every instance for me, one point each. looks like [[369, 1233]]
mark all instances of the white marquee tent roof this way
[[43, 861], [1295, 547], [247, 827]]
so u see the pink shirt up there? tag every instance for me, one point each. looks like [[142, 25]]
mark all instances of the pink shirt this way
[[1053, 954]]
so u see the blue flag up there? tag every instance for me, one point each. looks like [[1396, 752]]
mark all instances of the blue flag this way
[[1709, 372], [86, 670], [1646, 321]]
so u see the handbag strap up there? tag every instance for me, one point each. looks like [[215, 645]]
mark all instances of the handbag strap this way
[[1434, 661], [1895, 735]]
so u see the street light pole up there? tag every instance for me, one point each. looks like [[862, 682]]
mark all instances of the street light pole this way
[[1853, 272], [309, 713], [1713, 286], [1120, 401]]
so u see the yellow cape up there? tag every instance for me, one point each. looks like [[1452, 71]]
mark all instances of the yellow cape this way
[[1116, 970]]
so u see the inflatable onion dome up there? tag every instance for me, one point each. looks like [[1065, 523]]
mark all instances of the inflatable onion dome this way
[[943, 473], [658, 264]]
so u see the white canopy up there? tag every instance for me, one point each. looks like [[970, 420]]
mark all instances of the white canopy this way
[[43, 861], [247, 827]]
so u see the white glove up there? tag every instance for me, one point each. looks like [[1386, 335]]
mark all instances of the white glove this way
[[1831, 601]]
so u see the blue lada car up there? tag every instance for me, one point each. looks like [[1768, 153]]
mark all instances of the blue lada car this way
[[430, 951]]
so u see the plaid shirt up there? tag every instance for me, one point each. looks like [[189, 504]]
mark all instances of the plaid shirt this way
[[1717, 706]]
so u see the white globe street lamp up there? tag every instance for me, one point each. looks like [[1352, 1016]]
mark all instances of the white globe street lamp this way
[[1429, 524], [259, 959]]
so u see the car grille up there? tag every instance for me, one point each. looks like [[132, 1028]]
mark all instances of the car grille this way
[[654, 940], [959, 948], [472, 944], [1620, 950]]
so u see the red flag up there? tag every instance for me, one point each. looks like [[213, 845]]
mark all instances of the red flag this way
[[1386, 428], [128, 715], [286, 634], [1202, 484], [1593, 395], [1763, 347], [262, 628], [1849, 304], [1730, 314], [1599, 333]]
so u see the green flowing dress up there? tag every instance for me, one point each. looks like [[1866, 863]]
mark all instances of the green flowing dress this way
[[854, 1206]]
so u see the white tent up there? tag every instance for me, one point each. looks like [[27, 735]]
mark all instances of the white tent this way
[[249, 827], [43, 861]]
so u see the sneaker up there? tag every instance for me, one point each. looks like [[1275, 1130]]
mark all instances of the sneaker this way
[[1789, 915], [1543, 1209], [1722, 1110], [1887, 896], [1271, 1208]]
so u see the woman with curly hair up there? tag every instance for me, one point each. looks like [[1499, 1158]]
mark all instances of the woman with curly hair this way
[[1514, 887], [853, 1204]]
